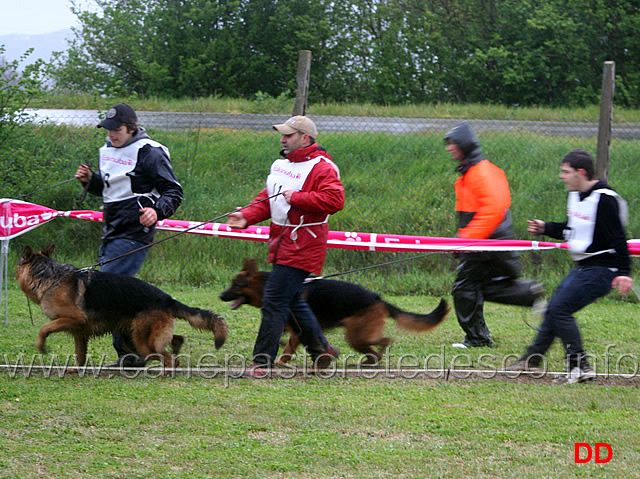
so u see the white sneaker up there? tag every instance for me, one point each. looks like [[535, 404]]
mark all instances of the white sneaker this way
[[539, 307], [459, 345], [540, 304], [576, 375]]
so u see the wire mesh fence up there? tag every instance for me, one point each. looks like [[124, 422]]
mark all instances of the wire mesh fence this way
[[337, 124], [386, 132]]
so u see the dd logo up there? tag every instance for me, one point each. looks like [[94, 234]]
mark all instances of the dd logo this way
[[590, 452]]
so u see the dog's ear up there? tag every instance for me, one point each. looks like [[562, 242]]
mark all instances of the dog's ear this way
[[27, 254], [49, 249], [250, 266]]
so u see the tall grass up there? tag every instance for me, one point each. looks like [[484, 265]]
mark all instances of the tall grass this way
[[401, 184]]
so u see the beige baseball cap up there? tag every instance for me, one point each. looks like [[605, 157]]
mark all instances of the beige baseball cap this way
[[297, 123]]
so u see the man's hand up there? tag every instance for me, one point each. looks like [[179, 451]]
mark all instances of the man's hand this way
[[622, 283], [535, 227], [84, 173], [287, 195], [148, 216], [237, 221]]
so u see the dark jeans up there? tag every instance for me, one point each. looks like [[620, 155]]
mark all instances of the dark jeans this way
[[493, 279], [128, 265], [581, 287], [282, 301]]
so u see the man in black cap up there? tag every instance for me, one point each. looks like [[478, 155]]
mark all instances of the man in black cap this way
[[138, 188]]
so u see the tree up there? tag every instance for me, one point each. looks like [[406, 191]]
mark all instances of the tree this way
[[17, 89], [382, 51], [194, 48]]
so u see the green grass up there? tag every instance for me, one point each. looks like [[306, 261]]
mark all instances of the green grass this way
[[196, 427]]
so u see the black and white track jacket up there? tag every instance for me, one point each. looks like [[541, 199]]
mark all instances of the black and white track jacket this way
[[595, 228], [136, 175]]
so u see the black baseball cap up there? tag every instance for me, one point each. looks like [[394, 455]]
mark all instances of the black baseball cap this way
[[118, 115]]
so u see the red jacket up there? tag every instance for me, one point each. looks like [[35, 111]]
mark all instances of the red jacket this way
[[302, 242]]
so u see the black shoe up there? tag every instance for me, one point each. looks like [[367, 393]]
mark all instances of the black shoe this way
[[256, 371], [477, 344], [324, 360], [128, 361]]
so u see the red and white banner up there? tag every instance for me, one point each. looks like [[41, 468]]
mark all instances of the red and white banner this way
[[18, 217]]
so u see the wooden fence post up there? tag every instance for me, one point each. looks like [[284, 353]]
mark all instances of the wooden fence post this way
[[302, 80], [606, 118]]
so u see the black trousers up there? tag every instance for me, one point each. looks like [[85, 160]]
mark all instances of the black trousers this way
[[491, 277], [283, 297]]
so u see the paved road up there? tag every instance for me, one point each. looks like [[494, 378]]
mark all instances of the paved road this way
[[394, 125]]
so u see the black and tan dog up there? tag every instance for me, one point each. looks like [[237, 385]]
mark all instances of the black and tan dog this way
[[87, 304], [336, 303]]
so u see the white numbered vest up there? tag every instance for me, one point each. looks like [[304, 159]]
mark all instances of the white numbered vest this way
[[582, 221], [115, 163], [287, 175]]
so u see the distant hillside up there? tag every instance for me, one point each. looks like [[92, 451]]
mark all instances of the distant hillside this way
[[43, 45]]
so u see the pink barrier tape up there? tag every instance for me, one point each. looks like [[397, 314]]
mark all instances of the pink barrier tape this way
[[18, 217], [365, 241]]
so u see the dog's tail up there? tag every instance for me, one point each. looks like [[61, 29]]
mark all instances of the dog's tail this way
[[203, 319], [419, 322]]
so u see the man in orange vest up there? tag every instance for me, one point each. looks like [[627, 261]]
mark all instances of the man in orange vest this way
[[482, 204]]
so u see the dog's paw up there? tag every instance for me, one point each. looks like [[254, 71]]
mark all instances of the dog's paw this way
[[283, 359]]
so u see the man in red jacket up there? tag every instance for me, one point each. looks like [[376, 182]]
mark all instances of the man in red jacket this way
[[303, 189], [483, 205]]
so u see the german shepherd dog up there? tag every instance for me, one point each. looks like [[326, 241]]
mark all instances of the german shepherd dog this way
[[88, 304], [336, 303]]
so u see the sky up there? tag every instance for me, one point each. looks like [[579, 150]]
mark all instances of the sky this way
[[35, 16]]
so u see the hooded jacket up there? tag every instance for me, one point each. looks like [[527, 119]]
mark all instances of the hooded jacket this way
[[482, 191], [299, 231], [138, 174]]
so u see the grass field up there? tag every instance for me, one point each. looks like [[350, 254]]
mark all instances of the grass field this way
[[141, 425], [434, 419]]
